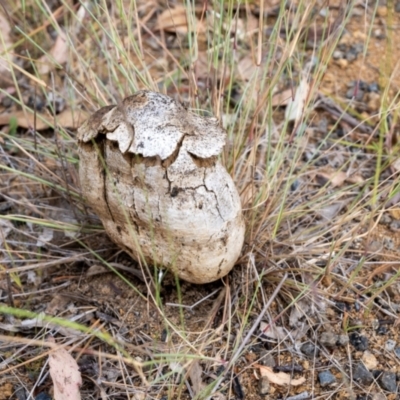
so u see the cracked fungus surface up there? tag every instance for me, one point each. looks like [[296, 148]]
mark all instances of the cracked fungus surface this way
[[149, 169]]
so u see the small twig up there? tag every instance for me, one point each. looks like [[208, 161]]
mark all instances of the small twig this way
[[330, 106], [50, 289], [195, 304], [77, 257], [9, 289], [256, 323], [134, 271]]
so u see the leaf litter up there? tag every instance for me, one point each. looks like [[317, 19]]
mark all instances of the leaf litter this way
[[336, 244], [64, 372]]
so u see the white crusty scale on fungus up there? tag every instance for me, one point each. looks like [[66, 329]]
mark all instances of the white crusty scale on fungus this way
[[149, 169]]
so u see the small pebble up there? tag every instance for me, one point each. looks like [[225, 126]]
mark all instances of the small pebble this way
[[374, 246], [373, 101], [360, 35], [35, 102], [263, 385], [309, 349], [362, 375], [300, 396], [356, 323], [294, 186], [21, 394], [358, 47], [267, 359], [397, 351], [376, 373], [56, 102], [388, 381], [389, 243], [324, 12], [369, 360], [375, 324], [340, 305], [351, 56], [343, 63], [6, 102], [395, 226], [359, 342], [373, 87], [379, 34], [326, 378], [329, 339], [382, 330], [355, 92], [337, 54], [382, 11], [390, 345], [396, 307], [43, 396], [343, 340]]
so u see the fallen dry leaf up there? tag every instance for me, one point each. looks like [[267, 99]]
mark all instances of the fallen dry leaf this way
[[295, 107], [57, 303], [5, 228], [280, 333], [396, 165], [300, 309], [97, 269], [195, 373], [175, 20], [64, 372], [282, 98], [68, 119], [244, 28], [279, 378], [45, 237], [335, 178], [5, 43], [395, 213], [202, 66], [331, 210], [58, 54], [247, 68]]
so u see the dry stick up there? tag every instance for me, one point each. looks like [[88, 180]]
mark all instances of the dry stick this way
[[78, 257], [115, 357], [36, 161], [27, 294], [10, 294], [215, 307], [330, 106], [256, 323], [251, 331], [60, 154]]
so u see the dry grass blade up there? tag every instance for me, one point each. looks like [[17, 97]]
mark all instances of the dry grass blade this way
[[308, 93]]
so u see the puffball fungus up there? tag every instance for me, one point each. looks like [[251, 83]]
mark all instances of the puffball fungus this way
[[149, 169]]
